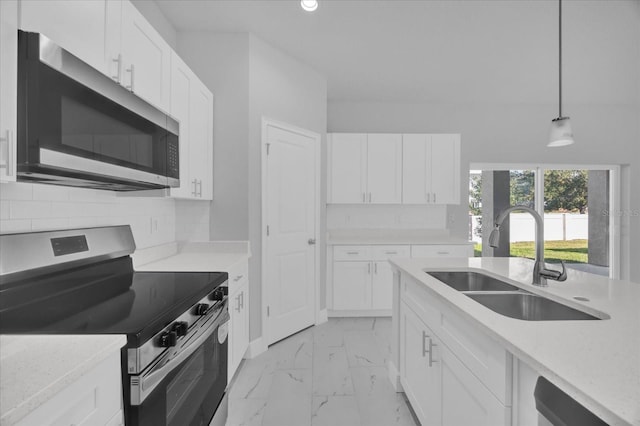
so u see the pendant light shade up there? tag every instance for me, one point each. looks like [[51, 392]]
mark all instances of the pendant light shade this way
[[561, 133]]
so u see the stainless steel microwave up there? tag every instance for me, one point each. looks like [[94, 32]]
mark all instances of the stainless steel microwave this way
[[77, 127]]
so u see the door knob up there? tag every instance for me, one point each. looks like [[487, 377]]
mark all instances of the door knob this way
[[312, 241]]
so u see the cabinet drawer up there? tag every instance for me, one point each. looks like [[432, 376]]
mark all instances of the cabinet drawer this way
[[417, 297], [238, 274], [483, 356], [352, 253], [387, 252], [451, 250]]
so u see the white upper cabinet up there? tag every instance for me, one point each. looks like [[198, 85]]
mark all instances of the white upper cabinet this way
[[431, 169], [146, 58], [347, 168], [8, 88], [111, 36], [384, 168], [365, 168], [88, 29], [192, 105]]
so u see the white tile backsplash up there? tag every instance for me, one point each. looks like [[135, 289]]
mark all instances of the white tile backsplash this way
[[194, 220], [386, 217], [28, 207]]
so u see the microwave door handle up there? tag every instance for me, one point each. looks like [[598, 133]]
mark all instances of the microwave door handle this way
[[147, 382]]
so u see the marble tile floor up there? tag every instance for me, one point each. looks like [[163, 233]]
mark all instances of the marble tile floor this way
[[333, 374]]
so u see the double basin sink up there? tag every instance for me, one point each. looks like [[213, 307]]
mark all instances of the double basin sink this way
[[507, 299]]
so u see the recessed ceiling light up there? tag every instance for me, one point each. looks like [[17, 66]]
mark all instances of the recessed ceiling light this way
[[309, 5]]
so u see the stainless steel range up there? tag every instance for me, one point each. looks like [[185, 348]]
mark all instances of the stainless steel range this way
[[82, 281]]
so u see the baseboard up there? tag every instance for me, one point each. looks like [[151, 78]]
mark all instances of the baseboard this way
[[361, 313], [322, 316], [394, 376], [256, 347]]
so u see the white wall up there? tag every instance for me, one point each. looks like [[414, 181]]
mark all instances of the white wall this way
[[158, 20], [250, 80], [26, 207], [500, 133], [221, 61], [283, 89]]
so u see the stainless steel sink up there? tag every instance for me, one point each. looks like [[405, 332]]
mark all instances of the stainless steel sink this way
[[472, 281], [529, 307]]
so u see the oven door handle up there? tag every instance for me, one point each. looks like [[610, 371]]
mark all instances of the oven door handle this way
[[147, 381]]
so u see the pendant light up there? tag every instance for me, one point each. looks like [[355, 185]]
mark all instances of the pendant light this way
[[561, 133], [309, 5]]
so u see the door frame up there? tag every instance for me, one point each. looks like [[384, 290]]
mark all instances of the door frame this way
[[266, 122]]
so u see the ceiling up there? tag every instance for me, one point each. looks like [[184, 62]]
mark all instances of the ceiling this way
[[453, 51]]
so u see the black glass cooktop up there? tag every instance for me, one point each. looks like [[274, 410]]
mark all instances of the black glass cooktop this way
[[104, 298]]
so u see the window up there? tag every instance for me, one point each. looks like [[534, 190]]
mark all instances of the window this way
[[574, 202]]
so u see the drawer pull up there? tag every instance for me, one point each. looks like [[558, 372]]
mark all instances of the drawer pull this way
[[443, 252], [424, 343], [390, 252], [353, 252], [431, 346]]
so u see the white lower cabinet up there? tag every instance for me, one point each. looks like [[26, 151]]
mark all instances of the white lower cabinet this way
[[442, 389], [239, 313], [94, 399], [362, 278]]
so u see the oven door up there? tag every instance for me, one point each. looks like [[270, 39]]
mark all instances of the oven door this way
[[189, 393], [73, 120]]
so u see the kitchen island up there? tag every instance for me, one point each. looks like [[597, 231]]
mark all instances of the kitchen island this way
[[596, 362]]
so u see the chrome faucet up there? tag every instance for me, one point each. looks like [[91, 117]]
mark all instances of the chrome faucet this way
[[540, 272]]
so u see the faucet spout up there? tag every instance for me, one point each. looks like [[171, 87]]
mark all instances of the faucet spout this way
[[540, 273]]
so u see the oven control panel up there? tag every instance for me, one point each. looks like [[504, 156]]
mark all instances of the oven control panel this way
[[177, 330]]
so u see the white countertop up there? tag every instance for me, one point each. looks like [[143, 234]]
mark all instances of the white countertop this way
[[193, 257], [595, 362], [35, 368], [392, 236]]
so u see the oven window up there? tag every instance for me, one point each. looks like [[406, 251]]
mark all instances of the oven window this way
[[181, 386], [95, 132]]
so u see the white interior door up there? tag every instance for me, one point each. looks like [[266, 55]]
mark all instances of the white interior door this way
[[290, 252]]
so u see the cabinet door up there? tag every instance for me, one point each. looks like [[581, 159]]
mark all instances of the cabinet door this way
[[445, 169], [8, 88], [420, 381], [146, 58], [381, 286], [181, 82], [347, 168], [78, 26], [351, 285], [384, 168], [465, 400], [239, 326], [201, 140], [416, 154]]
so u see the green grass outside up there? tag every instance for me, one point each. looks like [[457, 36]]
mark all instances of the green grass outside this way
[[572, 251]]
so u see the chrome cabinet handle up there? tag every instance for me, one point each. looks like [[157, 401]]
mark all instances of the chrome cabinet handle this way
[[238, 303], [434, 197], [131, 70], [364, 197], [118, 75], [194, 182], [199, 187], [431, 346], [424, 343], [236, 279], [311, 241], [369, 197], [353, 252], [375, 268], [390, 252], [9, 163], [368, 268], [428, 197], [242, 300], [443, 252]]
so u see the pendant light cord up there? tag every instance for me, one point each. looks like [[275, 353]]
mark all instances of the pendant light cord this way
[[560, 58]]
